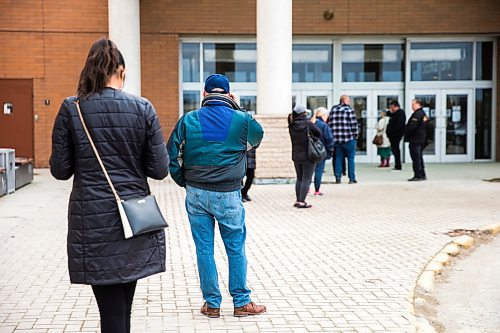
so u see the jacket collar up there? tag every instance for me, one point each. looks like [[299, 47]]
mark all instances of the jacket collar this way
[[219, 99]]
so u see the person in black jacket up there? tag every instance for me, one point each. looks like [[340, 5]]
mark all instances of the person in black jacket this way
[[395, 131], [416, 135], [298, 126], [128, 137]]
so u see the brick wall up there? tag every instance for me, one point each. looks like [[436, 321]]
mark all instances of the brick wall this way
[[199, 17], [64, 62], [48, 42], [274, 155], [160, 76], [350, 17], [396, 17]]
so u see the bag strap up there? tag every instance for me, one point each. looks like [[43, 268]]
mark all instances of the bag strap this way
[[117, 197]]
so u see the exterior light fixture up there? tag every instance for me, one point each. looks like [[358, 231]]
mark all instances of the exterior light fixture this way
[[328, 14]]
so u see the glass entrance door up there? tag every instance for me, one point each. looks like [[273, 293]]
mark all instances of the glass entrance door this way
[[312, 99], [450, 113], [367, 106], [457, 137]]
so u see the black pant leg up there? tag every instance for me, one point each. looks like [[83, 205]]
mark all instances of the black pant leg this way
[[248, 182], [299, 174], [422, 170], [305, 182], [396, 151], [417, 159], [129, 299], [115, 305]]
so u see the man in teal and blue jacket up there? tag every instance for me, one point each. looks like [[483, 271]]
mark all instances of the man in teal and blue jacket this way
[[207, 149]]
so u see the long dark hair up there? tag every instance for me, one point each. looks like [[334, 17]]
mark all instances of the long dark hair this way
[[103, 60]]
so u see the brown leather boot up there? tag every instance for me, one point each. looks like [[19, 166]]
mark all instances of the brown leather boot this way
[[251, 309], [210, 312]]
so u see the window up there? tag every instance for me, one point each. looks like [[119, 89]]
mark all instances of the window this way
[[372, 62], [238, 61], [484, 60], [191, 100], [249, 103], [190, 62], [446, 61], [312, 63]]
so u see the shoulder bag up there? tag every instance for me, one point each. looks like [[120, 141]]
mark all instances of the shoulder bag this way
[[316, 150], [378, 140], [139, 215]]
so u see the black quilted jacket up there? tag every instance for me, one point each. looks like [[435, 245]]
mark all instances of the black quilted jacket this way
[[127, 133]]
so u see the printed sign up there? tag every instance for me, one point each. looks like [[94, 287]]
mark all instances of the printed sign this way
[[7, 108]]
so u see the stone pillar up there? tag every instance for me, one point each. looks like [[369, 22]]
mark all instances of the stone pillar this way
[[274, 87], [125, 30]]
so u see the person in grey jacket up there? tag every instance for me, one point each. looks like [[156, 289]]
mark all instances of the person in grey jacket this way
[[128, 137]]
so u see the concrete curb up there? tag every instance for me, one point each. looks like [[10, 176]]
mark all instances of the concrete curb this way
[[426, 279]]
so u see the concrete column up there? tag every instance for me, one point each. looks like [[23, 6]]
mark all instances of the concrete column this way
[[125, 30], [274, 56], [274, 89]]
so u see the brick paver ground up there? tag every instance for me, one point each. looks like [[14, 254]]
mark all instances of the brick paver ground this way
[[349, 264]]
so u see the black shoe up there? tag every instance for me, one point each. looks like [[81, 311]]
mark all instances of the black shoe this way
[[303, 205], [337, 181], [352, 182], [246, 198], [415, 179], [424, 178]]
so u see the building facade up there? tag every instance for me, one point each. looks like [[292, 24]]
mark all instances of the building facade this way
[[445, 53]]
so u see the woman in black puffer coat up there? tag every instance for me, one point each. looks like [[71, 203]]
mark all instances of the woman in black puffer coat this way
[[128, 137], [298, 124]]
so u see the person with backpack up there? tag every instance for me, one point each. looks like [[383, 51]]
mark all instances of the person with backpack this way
[[416, 134]]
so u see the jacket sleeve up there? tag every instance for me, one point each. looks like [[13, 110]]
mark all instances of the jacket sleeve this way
[[354, 123], [401, 124], [254, 132], [314, 130], [328, 137], [62, 165], [175, 146], [155, 156]]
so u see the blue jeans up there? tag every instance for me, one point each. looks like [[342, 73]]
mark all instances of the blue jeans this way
[[318, 174], [203, 208], [342, 150]]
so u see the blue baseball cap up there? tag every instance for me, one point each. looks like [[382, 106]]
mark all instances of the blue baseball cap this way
[[217, 83]]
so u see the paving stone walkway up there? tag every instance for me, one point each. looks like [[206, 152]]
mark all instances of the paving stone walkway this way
[[349, 264]]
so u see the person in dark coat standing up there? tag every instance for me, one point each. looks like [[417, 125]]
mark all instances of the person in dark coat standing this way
[[416, 135], [319, 119], [298, 125], [395, 131], [250, 174], [128, 137]]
